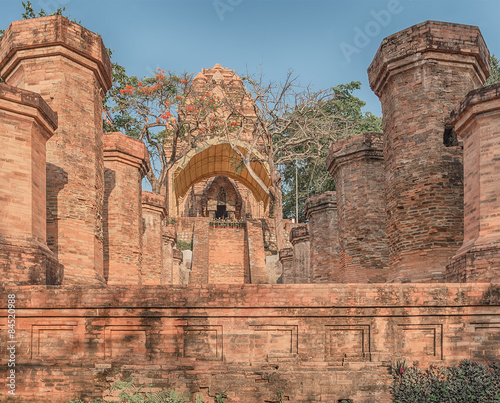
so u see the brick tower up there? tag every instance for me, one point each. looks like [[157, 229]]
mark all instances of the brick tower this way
[[357, 165], [69, 67], [477, 121], [420, 74]]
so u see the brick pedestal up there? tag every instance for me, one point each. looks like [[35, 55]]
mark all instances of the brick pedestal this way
[[286, 260], [126, 161], [26, 123], [299, 237], [357, 165], [321, 211], [69, 67], [420, 74], [153, 213], [477, 122]]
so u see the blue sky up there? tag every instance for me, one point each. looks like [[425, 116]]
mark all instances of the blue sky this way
[[315, 38]]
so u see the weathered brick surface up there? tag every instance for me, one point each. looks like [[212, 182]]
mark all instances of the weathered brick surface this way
[[301, 266], [316, 342], [26, 123], [477, 120], [153, 265], [357, 165], [177, 258], [321, 211], [256, 255], [199, 271], [126, 161], [420, 74], [286, 261], [228, 256], [69, 67], [169, 243]]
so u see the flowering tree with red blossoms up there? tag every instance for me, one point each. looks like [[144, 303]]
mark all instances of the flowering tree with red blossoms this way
[[168, 113]]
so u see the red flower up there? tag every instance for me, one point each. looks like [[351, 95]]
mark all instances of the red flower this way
[[140, 84], [183, 81]]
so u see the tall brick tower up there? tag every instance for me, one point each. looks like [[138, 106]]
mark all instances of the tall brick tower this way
[[420, 74], [69, 67]]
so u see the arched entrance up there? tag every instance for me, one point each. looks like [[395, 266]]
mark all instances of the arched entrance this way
[[216, 158]]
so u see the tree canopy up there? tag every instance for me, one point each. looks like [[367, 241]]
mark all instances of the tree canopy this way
[[345, 111]]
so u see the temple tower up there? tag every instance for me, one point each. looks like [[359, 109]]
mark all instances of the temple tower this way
[[477, 122], [70, 68], [357, 165], [420, 74]]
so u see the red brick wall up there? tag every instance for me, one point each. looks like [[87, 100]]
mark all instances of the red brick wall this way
[[301, 266], [69, 67], [357, 165], [286, 261], [477, 121], [26, 123], [321, 211], [420, 74], [199, 271], [256, 254], [228, 262], [125, 164], [316, 342], [169, 242], [153, 265]]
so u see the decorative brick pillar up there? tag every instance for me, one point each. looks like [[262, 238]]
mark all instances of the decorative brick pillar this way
[[420, 74], [169, 242], [299, 237], [26, 123], [126, 161], [69, 67], [286, 260], [357, 165], [477, 121], [153, 213], [177, 261], [321, 211]]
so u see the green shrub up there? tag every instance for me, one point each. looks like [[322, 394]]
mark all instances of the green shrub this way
[[130, 393], [183, 245], [468, 382]]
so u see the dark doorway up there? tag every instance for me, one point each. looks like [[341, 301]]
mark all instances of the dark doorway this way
[[221, 212]]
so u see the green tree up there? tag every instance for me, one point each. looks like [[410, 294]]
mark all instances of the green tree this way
[[345, 111], [166, 111], [495, 72]]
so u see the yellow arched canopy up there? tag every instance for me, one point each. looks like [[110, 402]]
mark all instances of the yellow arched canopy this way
[[215, 157]]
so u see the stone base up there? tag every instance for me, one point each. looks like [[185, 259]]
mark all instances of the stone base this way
[[28, 263], [478, 264]]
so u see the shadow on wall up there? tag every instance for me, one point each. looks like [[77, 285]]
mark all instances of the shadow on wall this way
[[109, 185], [57, 178]]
